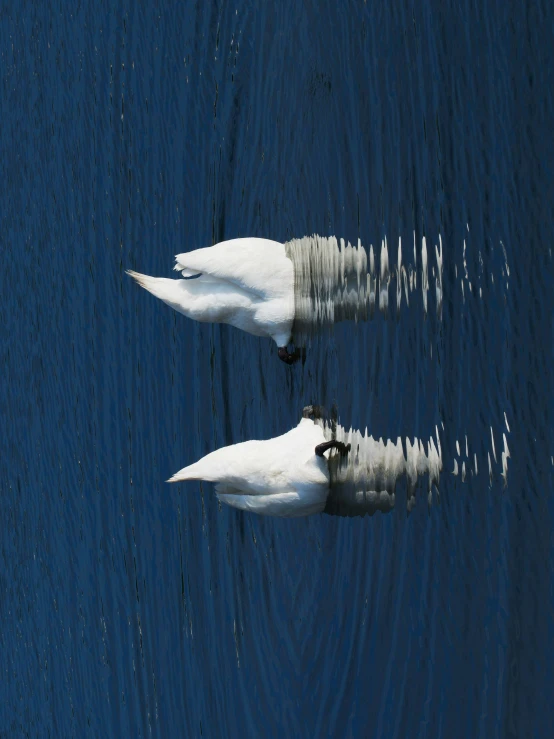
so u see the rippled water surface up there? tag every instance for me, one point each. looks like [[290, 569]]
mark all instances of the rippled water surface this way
[[135, 131]]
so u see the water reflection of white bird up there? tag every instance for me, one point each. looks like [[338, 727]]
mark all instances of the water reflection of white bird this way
[[316, 467], [287, 291]]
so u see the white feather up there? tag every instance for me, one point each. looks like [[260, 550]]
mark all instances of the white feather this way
[[247, 283]]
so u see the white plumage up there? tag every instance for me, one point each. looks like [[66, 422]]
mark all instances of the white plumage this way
[[247, 283], [277, 477]]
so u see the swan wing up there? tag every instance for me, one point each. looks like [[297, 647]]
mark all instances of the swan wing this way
[[259, 266]]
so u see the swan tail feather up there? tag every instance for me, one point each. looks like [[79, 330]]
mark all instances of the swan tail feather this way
[[170, 291], [152, 284], [187, 473]]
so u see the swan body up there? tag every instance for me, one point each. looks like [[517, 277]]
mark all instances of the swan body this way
[[277, 477], [247, 283]]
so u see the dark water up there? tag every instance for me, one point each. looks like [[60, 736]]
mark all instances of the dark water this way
[[132, 132]]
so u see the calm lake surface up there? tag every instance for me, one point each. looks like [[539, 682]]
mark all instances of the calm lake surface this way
[[135, 131]]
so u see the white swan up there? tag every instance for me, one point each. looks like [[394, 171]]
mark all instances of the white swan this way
[[285, 476], [293, 474], [247, 283]]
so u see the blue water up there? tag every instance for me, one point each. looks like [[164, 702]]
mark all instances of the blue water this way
[[134, 131]]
